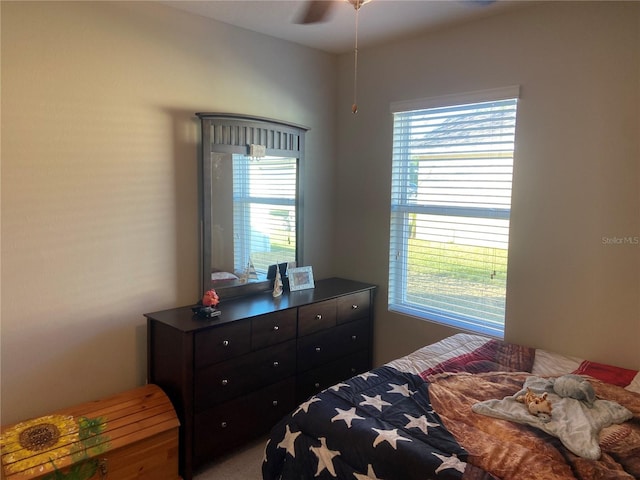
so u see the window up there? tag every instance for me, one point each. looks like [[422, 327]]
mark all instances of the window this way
[[450, 208], [264, 211]]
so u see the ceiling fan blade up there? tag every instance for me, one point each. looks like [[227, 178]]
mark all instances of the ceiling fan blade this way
[[316, 11], [480, 3]]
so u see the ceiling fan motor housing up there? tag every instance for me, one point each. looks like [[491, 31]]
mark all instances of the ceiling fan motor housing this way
[[358, 3]]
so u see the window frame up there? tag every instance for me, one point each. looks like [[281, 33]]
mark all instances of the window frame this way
[[399, 236]]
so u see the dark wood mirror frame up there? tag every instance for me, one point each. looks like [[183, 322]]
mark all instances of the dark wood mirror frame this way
[[228, 134]]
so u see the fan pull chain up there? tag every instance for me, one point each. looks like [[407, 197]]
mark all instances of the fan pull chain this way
[[354, 107]]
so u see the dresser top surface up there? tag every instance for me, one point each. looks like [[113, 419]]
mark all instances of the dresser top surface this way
[[184, 319]]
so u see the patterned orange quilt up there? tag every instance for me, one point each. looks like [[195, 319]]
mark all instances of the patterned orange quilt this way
[[512, 451]]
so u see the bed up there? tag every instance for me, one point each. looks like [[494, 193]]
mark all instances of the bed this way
[[436, 413]]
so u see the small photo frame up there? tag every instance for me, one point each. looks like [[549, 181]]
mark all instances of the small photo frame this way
[[300, 278], [271, 272]]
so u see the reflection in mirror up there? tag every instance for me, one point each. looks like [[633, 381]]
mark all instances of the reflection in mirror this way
[[251, 200], [255, 225]]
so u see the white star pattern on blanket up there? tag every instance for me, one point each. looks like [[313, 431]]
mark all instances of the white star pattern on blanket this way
[[305, 406], [288, 441], [420, 422], [371, 475], [390, 436], [375, 402], [347, 416], [401, 389], [450, 462], [338, 386], [325, 457]]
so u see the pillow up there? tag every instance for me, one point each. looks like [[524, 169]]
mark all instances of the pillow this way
[[606, 373], [493, 356], [221, 276]]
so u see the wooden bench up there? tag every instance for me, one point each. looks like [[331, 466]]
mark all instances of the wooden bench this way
[[132, 435]]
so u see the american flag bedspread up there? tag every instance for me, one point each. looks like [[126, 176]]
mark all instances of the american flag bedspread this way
[[376, 425]]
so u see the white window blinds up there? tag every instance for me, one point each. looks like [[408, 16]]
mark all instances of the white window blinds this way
[[450, 210], [264, 212]]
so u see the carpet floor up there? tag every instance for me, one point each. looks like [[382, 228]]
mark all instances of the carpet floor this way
[[243, 464]]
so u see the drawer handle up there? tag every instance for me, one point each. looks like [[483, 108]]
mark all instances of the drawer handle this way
[[275, 403], [354, 307], [276, 328], [318, 317], [225, 382], [225, 343], [318, 349], [276, 364], [223, 424], [354, 338], [317, 385]]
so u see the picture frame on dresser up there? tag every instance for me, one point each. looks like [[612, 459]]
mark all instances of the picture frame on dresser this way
[[300, 278]]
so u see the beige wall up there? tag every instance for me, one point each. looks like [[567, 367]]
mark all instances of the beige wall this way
[[576, 178], [99, 179]]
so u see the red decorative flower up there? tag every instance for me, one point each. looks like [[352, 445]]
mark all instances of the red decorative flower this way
[[210, 298]]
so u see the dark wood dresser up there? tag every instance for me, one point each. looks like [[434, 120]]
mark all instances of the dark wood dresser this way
[[233, 377]]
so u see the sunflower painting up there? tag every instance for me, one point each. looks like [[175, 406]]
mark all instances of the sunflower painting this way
[[32, 446]]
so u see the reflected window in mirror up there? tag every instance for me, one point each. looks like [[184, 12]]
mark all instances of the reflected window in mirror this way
[[264, 212]]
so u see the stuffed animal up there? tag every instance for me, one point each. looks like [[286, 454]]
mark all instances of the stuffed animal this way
[[537, 405], [575, 386]]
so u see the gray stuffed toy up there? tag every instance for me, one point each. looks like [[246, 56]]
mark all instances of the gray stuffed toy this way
[[575, 386]]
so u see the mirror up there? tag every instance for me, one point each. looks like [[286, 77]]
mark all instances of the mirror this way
[[250, 170]]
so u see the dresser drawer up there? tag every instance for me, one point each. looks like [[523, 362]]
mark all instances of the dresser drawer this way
[[315, 380], [354, 306], [221, 343], [325, 346], [221, 382], [227, 426], [273, 328], [317, 316]]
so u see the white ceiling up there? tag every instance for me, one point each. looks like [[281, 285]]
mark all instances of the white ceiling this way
[[379, 21]]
